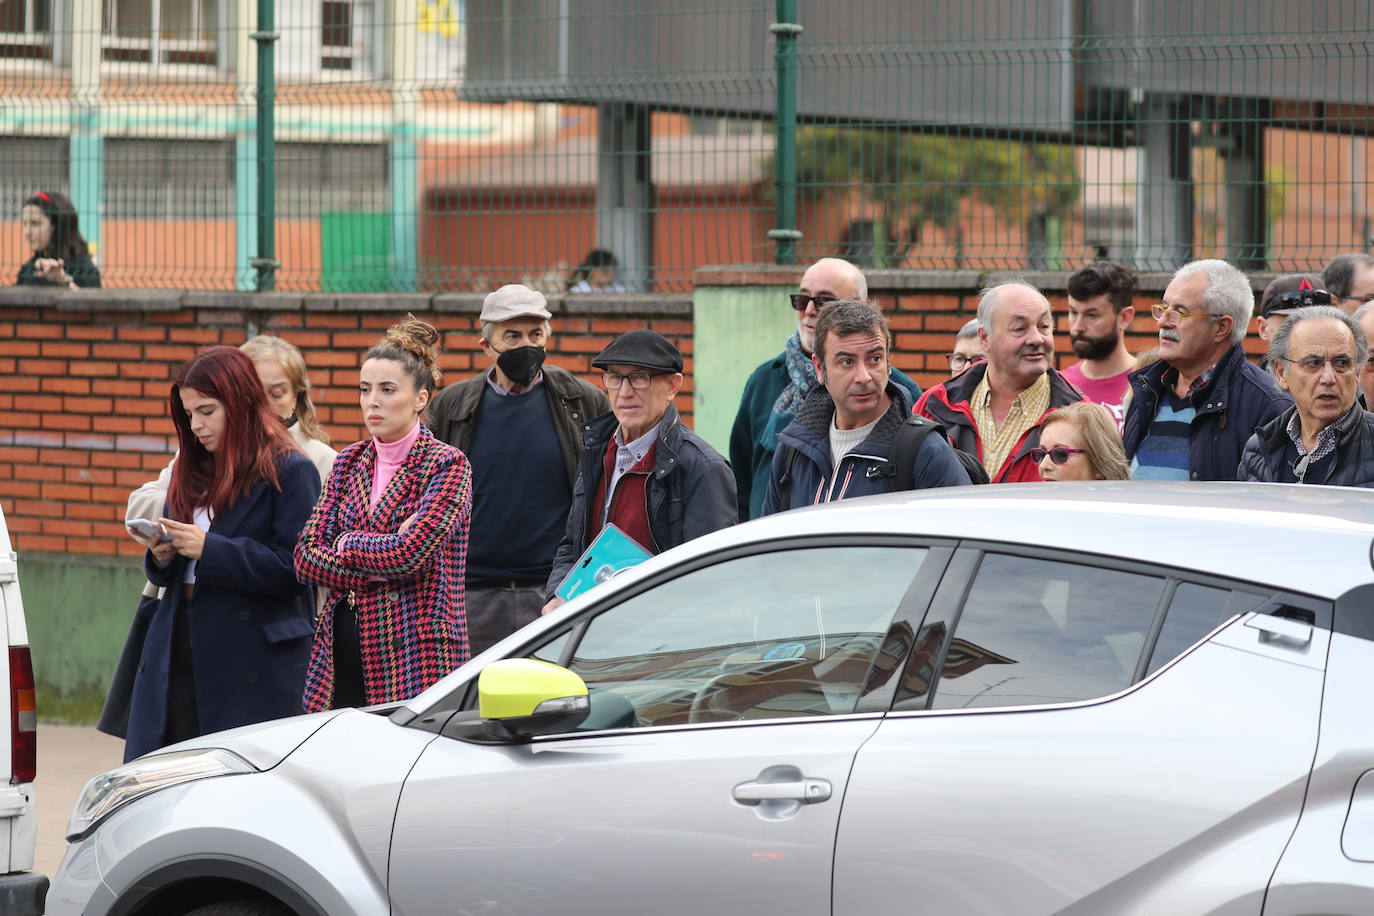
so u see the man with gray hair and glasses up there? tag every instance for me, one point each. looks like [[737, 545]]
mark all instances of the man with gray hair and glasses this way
[[1192, 412], [1326, 437], [1350, 279]]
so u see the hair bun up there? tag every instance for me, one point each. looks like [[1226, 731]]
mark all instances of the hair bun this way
[[418, 338]]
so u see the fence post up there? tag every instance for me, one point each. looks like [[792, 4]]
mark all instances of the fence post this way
[[785, 32], [266, 262]]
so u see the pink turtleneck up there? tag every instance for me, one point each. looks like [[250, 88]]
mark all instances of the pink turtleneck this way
[[389, 458]]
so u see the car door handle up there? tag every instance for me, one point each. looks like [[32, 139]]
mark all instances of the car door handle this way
[[806, 791], [1282, 629]]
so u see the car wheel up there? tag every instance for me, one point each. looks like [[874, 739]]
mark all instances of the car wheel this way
[[240, 908]]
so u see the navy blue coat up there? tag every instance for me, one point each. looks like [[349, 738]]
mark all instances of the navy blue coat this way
[[1240, 399], [756, 428], [815, 480], [690, 493], [1270, 454], [251, 619]]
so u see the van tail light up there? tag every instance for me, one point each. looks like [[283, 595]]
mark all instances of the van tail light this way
[[23, 717]]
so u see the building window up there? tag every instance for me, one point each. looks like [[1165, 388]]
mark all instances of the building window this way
[[26, 29], [345, 25], [160, 32]]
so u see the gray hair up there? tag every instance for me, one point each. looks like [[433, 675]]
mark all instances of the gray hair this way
[[987, 301], [1278, 344], [1361, 311], [1228, 293], [849, 316], [969, 330], [489, 329], [1339, 275]]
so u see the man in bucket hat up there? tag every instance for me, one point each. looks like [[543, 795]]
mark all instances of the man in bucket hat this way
[[520, 424], [641, 468]]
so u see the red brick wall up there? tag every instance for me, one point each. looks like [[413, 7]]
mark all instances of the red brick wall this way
[[84, 414]]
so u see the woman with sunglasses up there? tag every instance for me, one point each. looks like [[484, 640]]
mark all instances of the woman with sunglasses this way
[[1079, 442]]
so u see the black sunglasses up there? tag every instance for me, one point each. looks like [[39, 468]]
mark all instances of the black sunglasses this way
[[1298, 298], [801, 300], [1057, 455]]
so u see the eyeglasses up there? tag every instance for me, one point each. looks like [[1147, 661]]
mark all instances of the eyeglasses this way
[[1341, 365], [1367, 297], [1057, 455], [958, 361], [638, 380], [801, 300], [1160, 309], [1298, 298]]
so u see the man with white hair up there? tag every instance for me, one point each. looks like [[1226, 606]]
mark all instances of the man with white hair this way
[[1192, 412], [994, 409]]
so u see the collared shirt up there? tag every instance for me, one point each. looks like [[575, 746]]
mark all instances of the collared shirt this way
[[1326, 439], [626, 457], [491, 381], [998, 441], [1170, 378]]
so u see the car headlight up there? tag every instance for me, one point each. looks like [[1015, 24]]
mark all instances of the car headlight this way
[[115, 788]]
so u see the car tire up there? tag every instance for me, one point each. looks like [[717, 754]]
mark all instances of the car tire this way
[[240, 908]]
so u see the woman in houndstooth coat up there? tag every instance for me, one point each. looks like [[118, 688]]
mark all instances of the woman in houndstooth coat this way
[[388, 538]]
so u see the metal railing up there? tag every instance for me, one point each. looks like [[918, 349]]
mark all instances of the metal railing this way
[[621, 144]]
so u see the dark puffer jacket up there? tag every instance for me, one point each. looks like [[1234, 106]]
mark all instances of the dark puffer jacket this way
[[815, 480], [1239, 400], [691, 491], [1270, 454]]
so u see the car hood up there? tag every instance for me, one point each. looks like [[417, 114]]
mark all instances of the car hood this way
[[263, 745]]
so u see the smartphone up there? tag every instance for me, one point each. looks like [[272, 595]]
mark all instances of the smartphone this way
[[147, 529]]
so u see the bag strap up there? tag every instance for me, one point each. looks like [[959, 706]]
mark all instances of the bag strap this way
[[785, 479], [905, 444]]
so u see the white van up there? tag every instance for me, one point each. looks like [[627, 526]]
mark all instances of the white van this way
[[22, 892]]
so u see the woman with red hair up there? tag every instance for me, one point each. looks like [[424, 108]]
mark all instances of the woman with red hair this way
[[231, 635]]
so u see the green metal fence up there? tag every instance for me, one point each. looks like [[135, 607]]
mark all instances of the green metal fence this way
[[620, 144]]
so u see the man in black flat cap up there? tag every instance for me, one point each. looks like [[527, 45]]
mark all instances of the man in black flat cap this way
[[658, 481]]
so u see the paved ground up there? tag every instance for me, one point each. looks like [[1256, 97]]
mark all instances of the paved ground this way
[[68, 755]]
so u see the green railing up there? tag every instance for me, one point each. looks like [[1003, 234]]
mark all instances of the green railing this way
[[359, 145]]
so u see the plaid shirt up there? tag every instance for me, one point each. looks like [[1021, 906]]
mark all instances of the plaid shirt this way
[[1326, 439], [998, 441]]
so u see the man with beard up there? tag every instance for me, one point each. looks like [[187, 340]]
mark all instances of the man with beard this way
[[520, 424], [1100, 311], [1192, 412], [994, 409], [776, 390]]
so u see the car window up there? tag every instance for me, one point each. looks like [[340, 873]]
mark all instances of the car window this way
[[1195, 611], [788, 633], [1036, 631]]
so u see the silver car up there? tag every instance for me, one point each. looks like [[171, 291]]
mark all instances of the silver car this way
[[1068, 698]]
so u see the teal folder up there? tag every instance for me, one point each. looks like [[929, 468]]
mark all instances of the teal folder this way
[[612, 551]]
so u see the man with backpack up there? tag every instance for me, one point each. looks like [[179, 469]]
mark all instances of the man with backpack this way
[[843, 442]]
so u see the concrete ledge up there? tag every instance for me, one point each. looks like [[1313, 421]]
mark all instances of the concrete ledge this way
[[953, 281], [120, 300]]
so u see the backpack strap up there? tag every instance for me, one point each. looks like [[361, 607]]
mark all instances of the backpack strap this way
[[905, 444], [785, 478]]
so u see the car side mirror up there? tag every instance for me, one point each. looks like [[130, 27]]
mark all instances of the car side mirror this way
[[520, 698]]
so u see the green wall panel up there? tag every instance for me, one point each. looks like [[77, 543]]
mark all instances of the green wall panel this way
[[736, 329], [78, 611]]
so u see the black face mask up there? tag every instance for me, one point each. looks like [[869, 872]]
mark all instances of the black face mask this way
[[521, 364]]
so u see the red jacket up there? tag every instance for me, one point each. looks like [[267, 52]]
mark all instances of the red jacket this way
[[949, 403]]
